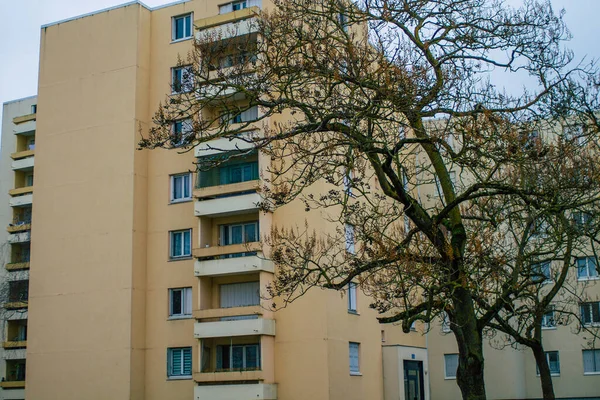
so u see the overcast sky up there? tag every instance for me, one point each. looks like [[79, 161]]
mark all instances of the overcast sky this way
[[20, 22]]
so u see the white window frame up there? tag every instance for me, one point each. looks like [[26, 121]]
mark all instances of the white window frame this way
[[445, 323], [186, 83], [174, 24], [185, 294], [173, 179], [170, 366], [590, 266], [448, 357], [589, 309], [178, 136], [354, 350], [183, 255], [547, 354], [549, 319], [349, 238], [352, 298], [595, 353]]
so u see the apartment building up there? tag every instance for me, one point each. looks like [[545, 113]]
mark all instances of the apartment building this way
[[146, 274], [16, 183]]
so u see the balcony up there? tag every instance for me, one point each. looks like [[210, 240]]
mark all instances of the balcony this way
[[25, 128], [22, 163], [21, 227], [227, 25], [232, 205], [21, 197], [12, 384], [230, 266], [17, 266], [242, 327], [256, 391], [229, 376], [20, 344], [227, 251], [15, 305], [242, 142], [19, 237], [217, 313]]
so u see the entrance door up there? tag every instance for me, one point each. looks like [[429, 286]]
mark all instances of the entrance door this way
[[413, 380]]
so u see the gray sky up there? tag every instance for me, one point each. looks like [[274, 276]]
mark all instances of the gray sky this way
[[20, 22]]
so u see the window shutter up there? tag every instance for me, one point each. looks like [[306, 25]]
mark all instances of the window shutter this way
[[187, 305], [176, 362], [187, 361]]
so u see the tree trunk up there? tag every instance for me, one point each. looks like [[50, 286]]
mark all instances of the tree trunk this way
[[544, 369], [469, 375]]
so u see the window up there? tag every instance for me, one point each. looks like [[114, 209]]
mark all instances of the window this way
[[181, 244], [586, 268], [450, 365], [181, 27], [541, 272], [180, 302], [354, 349], [244, 294], [553, 363], [249, 115], [18, 291], [238, 172], [29, 179], [179, 362], [181, 187], [445, 323], [348, 179], [349, 238], [352, 297], [548, 321], [238, 357], [591, 361], [574, 133], [238, 5], [182, 79], [582, 220], [238, 233], [343, 21], [31, 143], [181, 131], [590, 313], [34, 108]]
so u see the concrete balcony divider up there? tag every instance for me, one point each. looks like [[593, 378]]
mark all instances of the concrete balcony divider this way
[[242, 327], [220, 207], [256, 391]]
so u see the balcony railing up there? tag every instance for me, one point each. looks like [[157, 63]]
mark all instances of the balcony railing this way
[[229, 251]]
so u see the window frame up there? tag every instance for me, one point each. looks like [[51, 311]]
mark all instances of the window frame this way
[[170, 372], [593, 352], [549, 322], [354, 346], [186, 297], [446, 357], [184, 86], [174, 19], [588, 266], [590, 311], [547, 354], [172, 199], [245, 347], [352, 298], [182, 256], [350, 238]]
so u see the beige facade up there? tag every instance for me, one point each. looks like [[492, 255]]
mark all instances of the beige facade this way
[[145, 276]]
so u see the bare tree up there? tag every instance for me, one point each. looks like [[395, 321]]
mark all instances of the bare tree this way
[[377, 104]]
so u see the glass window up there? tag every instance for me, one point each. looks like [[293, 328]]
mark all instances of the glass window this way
[[349, 237], [591, 361], [180, 302], [181, 187], [181, 243], [548, 320], [354, 358], [238, 357], [553, 363], [181, 27], [541, 272], [352, 297], [586, 268], [182, 79], [590, 313], [239, 5], [179, 362], [239, 233], [450, 365]]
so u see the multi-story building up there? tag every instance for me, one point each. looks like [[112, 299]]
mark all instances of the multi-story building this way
[[16, 188], [146, 275]]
